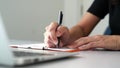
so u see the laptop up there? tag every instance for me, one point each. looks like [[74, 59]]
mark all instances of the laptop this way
[[18, 56]]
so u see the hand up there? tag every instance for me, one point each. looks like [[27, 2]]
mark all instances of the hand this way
[[52, 32], [111, 42]]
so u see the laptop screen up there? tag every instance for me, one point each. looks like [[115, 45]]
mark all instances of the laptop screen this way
[[5, 52]]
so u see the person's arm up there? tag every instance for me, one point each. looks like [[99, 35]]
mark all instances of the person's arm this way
[[97, 11], [84, 27]]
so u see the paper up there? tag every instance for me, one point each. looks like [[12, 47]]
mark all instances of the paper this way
[[41, 46]]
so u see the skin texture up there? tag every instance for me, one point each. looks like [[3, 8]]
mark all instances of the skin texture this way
[[78, 35]]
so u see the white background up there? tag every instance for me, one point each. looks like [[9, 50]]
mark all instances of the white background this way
[[27, 19]]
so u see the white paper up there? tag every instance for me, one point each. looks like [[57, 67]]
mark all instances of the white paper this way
[[41, 45]]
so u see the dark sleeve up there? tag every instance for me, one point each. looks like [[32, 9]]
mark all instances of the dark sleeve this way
[[99, 8]]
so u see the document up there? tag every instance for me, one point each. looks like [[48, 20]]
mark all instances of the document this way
[[41, 46]]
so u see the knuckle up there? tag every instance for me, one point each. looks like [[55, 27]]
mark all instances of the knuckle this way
[[51, 30], [52, 26]]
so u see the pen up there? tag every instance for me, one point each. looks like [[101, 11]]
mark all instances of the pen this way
[[59, 23]]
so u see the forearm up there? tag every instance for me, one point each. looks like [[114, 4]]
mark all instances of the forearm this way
[[75, 33], [84, 26]]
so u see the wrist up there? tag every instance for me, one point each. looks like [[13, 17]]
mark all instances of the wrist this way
[[116, 39]]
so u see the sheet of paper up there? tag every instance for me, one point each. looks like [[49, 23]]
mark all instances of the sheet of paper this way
[[41, 46]]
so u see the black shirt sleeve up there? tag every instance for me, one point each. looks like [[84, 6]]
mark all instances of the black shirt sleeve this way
[[99, 8]]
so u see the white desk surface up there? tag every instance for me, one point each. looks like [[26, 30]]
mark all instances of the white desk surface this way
[[85, 59]]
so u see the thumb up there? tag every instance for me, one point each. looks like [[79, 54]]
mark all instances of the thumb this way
[[58, 33]]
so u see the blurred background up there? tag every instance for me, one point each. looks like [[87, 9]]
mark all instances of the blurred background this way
[[27, 19]]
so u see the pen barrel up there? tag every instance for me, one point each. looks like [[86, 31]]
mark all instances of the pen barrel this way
[[60, 18], [59, 23]]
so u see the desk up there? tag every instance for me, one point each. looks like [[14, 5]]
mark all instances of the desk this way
[[85, 59]]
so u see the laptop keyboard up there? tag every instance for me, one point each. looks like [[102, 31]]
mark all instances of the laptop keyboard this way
[[21, 54]]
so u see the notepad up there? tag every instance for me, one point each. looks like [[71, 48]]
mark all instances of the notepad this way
[[41, 46]]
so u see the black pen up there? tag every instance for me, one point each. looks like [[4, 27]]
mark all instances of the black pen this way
[[59, 23]]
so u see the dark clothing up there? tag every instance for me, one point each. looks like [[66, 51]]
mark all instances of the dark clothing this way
[[102, 7]]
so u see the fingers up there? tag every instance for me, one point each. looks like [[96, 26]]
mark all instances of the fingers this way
[[52, 31], [63, 33], [90, 45], [85, 43], [51, 34], [47, 41], [80, 42], [50, 38]]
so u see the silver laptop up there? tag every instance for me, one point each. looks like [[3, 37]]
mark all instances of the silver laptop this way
[[17, 56]]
